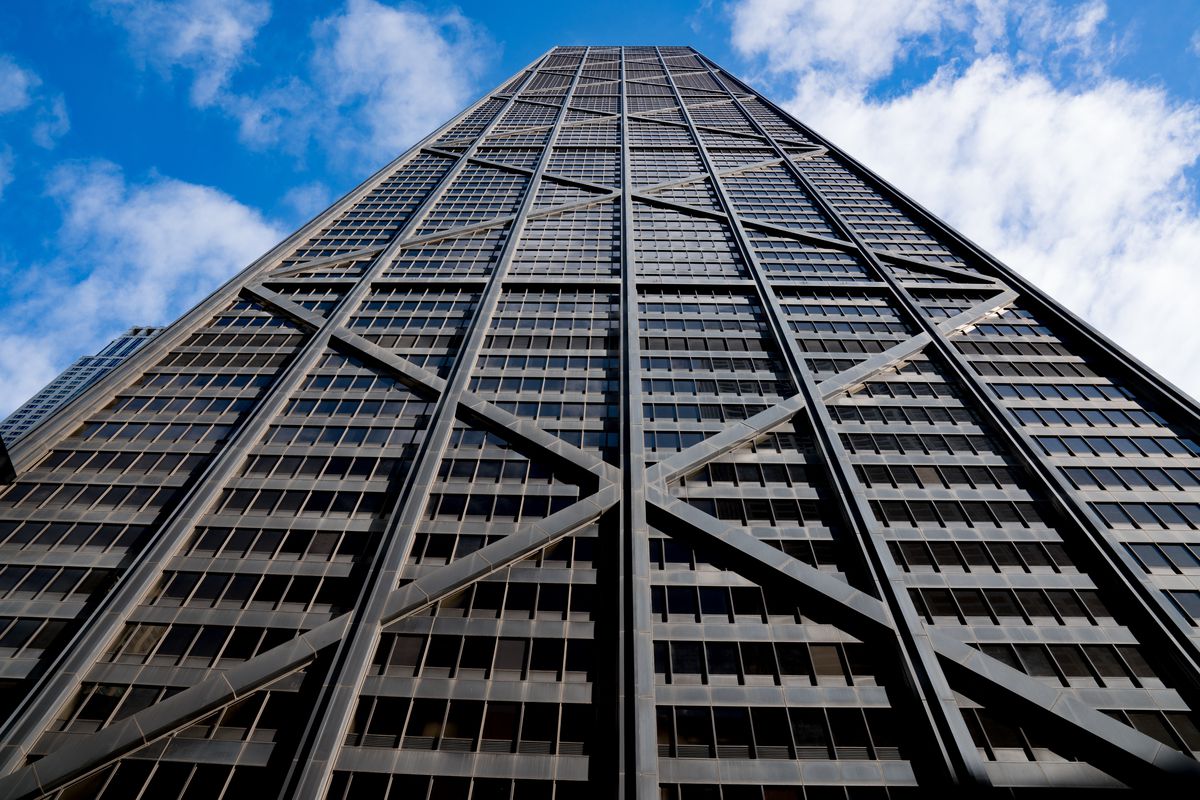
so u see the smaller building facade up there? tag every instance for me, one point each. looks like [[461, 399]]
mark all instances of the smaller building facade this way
[[73, 380]]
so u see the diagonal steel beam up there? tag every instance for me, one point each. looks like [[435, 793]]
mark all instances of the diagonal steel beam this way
[[80, 758], [327, 261], [222, 688], [954, 759], [523, 430], [855, 611], [671, 122], [1113, 564], [865, 370], [695, 177], [598, 114], [733, 436], [497, 555], [1127, 754], [743, 432], [59, 683], [662, 202], [550, 211], [599, 188], [750, 137], [33, 445], [607, 195], [500, 165], [449, 233], [920, 265], [795, 233]]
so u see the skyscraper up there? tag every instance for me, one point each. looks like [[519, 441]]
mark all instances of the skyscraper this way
[[622, 439], [73, 380]]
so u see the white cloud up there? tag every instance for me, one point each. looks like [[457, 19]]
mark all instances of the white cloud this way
[[208, 38], [859, 38], [6, 168], [403, 71], [288, 113], [129, 254], [53, 123], [16, 85], [307, 200], [21, 89], [856, 42], [1196, 42], [377, 76], [1081, 184]]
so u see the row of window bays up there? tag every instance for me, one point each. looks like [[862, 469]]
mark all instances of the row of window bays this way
[[765, 473], [1090, 416], [342, 407], [1065, 636], [1067, 416]]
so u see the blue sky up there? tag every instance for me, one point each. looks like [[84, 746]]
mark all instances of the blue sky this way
[[149, 149]]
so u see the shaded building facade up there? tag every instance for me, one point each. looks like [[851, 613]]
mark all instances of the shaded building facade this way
[[622, 439]]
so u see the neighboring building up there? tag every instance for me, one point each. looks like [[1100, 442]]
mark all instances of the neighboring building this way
[[622, 439], [73, 380]]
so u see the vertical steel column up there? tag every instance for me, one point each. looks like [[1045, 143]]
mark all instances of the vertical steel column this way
[[639, 728], [61, 680], [960, 761], [1165, 624], [312, 767]]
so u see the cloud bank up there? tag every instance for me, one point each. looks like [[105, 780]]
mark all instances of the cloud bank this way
[[375, 79]]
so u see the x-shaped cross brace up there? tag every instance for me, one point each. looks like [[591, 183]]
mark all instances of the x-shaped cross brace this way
[[1120, 750]]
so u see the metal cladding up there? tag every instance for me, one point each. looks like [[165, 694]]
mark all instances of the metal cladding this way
[[623, 438]]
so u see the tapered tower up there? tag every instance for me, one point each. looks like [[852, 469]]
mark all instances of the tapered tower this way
[[624, 438]]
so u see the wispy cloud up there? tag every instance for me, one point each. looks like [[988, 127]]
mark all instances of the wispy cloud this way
[[207, 39], [6, 167], [854, 43], [52, 124], [23, 100], [1071, 175], [399, 71], [16, 85], [376, 78], [307, 199], [129, 253]]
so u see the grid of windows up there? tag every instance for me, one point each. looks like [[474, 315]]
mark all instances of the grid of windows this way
[[552, 357], [425, 326], [719, 336], [377, 217], [580, 242], [478, 194], [772, 194], [695, 246]]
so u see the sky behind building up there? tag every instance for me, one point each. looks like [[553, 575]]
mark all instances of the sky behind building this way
[[148, 150]]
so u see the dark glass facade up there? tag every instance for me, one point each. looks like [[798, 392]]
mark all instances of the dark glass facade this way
[[622, 439]]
